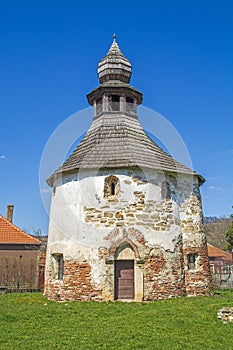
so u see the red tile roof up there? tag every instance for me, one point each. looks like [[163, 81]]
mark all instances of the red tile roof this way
[[11, 234], [218, 253]]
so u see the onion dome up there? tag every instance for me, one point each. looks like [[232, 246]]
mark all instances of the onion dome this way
[[114, 66]]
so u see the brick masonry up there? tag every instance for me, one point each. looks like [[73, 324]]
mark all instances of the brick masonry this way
[[76, 283]]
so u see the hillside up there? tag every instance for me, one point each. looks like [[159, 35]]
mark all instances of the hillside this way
[[215, 229]]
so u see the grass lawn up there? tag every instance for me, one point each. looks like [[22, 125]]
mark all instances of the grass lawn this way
[[29, 321]]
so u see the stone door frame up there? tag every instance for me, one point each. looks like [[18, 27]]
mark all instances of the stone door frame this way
[[126, 251]]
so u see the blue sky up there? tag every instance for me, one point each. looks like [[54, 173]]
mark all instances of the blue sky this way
[[181, 53]]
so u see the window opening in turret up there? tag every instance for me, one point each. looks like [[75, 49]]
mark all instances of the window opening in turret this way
[[99, 105], [114, 103], [130, 105], [59, 266]]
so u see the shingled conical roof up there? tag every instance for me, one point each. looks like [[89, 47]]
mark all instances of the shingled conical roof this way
[[114, 66], [119, 141], [116, 139]]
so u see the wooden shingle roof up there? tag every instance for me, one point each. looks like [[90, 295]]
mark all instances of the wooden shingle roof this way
[[117, 140], [114, 65], [11, 234]]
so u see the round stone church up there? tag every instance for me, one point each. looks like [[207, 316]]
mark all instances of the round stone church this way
[[126, 218]]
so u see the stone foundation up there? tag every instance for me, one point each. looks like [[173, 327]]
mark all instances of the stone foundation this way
[[159, 273]]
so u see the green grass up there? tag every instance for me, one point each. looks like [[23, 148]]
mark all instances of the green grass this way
[[29, 321]]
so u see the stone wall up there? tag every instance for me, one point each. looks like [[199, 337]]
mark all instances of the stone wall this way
[[164, 274], [157, 216], [161, 230], [197, 279], [159, 273]]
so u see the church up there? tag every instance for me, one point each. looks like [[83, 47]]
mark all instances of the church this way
[[126, 218]]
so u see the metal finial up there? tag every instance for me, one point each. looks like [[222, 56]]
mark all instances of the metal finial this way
[[114, 37]]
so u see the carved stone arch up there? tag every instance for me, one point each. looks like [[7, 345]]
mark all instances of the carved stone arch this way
[[124, 252], [122, 244], [137, 234]]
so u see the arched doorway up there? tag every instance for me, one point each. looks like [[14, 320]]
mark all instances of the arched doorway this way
[[124, 274]]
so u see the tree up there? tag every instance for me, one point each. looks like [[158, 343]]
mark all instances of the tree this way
[[215, 229], [229, 236], [37, 233]]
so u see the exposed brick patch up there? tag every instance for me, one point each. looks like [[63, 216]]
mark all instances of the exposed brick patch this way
[[138, 235], [76, 285], [197, 280], [155, 265], [164, 275], [112, 234]]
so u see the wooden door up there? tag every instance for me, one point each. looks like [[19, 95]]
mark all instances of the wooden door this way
[[124, 279]]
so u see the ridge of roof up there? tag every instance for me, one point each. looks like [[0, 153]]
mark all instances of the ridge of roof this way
[[12, 234]]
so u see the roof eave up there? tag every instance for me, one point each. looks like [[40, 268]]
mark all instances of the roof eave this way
[[201, 179], [117, 88], [20, 243], [50, 181]]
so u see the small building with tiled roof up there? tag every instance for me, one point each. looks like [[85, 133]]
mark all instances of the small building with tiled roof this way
[[217, 254], [19, 256], [126, 218], [11, 234], [221, 266]]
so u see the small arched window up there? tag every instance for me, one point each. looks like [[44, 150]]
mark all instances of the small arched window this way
[[111, 187], [192, 261], [59, 266], [165, 190]]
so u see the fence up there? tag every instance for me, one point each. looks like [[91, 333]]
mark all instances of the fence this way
[[18, 274], [222, 275]]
